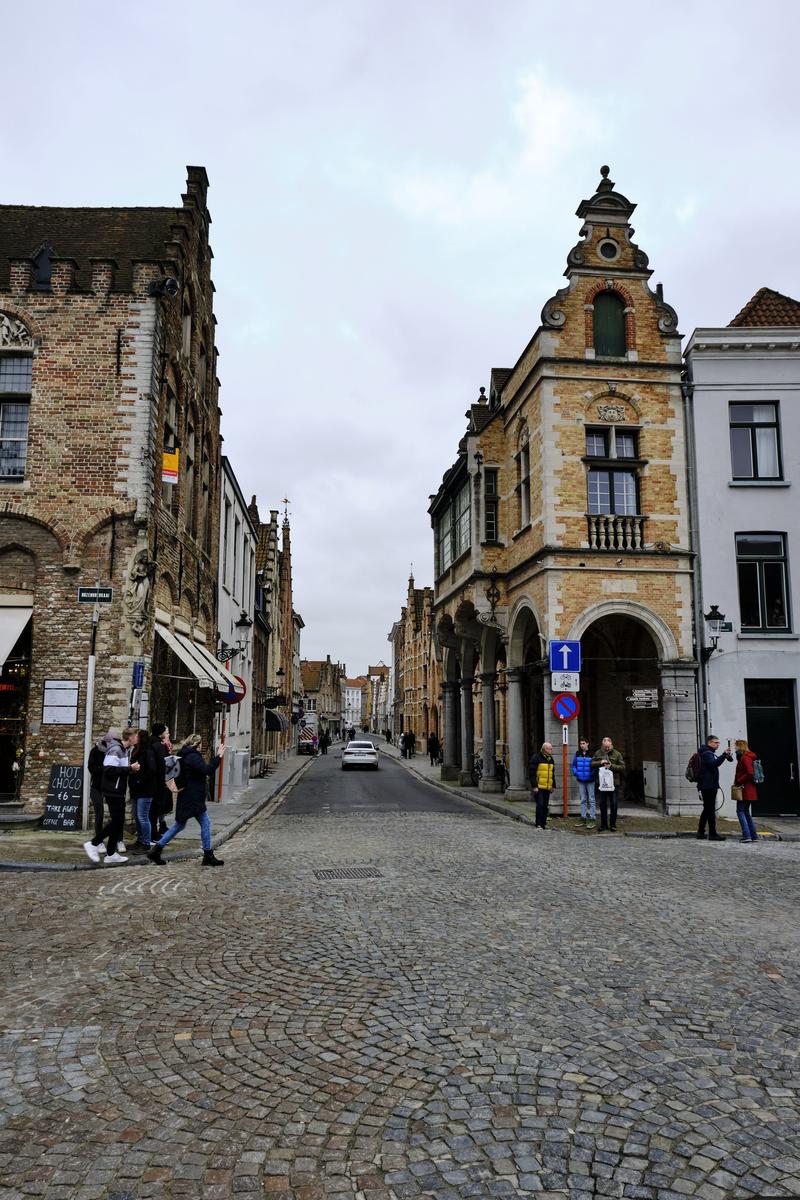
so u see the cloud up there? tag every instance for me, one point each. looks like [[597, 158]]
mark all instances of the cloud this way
[[545, 125]]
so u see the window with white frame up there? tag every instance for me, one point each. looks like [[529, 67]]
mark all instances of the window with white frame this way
[[16, 374], [755, 441], [611, 489]]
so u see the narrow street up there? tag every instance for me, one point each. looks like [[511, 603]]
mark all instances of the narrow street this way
[[484, 1010]]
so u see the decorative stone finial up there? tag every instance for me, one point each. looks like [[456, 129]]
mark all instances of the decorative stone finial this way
[[482, 396], [605, 184]]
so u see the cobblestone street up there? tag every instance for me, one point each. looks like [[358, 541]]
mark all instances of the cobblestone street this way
[[500, 1012]]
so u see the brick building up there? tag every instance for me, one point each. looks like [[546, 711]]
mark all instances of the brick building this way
[[414, 690], [565, 515], [322, 692], [107, 360]]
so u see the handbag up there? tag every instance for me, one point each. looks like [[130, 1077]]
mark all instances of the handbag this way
[[736, 793], [605, 779]]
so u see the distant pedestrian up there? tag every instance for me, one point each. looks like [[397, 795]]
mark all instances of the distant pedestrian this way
[[583, 771], [143, 785], [94, 765], [192, 792], [117, 769], [402, 745], [411, 743], [542, 773], [324, 742], [744, 780], [433, 748], [708, 786], [610, 767], [164, 800]]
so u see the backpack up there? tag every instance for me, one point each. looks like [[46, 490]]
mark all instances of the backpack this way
[[692, 772], [172, 767], [758, 771]]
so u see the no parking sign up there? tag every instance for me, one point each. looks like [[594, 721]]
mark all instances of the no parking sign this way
[[566, 706]]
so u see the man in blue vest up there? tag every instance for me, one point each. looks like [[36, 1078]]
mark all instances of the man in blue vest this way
[[583, 771]]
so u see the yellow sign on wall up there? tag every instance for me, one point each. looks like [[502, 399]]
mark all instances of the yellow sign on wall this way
[[169, 469]]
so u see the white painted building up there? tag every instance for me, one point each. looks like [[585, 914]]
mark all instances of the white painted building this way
[[743, 389], [237, 559], [352, 699]]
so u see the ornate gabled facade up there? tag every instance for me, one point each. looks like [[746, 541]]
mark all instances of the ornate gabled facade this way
[[275, 671], [322, 691], [565, 516]]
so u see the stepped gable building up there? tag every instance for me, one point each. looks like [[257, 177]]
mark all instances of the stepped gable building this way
[[565, 516], [276, 693], [107, 364], [744, 379], [322, 691]]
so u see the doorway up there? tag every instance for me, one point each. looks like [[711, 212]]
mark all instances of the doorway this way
[[14, 680], [772, 736]]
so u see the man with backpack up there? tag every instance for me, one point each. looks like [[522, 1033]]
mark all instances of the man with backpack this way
[[707, 775]]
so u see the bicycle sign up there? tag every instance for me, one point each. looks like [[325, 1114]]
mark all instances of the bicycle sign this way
[[566, 706]]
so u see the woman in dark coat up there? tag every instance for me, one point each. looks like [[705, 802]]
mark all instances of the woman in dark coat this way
[[191, 782]]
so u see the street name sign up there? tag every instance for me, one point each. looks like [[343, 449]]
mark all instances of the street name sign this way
[[565, 656], [565, 681], [566, 706], [95, 595]]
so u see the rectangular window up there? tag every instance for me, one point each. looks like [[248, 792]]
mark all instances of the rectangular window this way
[[462, 521], [226, 533], [755, 441], [524, 485], [625, 444], [445, 540], [490, 502], [188, 498], [612, 492], [761, 568], [16, 373], [235, 571], [597, 443]]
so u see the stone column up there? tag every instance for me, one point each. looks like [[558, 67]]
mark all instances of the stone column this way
[[489, 782], [518, 788], [679, 731], [467, 732], [450, 763]]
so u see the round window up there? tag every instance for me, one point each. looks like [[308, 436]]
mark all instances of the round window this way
[[608, 249]]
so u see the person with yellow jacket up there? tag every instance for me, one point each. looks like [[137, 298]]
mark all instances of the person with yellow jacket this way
[[542, 774]]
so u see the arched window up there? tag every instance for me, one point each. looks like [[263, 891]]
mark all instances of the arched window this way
[[608, 325], [186, 326], [16, 373]]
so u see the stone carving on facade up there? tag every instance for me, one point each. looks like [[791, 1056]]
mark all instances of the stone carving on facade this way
[[553, 315], [611, 412], [137, 591], [13, 333], [577, 255]]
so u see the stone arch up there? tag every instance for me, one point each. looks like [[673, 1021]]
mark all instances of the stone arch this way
[[17, 568], [612, 398], [611, 285], [188, 607], [12, 316], [523, 622], [206, 624], [166, 592], [658, 628], [13, 508]]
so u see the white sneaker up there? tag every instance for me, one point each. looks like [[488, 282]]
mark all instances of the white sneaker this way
[[121, 847], [102, 849], [114, 859], [92, 851]]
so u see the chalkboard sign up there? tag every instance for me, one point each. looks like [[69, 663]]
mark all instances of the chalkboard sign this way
[[64, 804]]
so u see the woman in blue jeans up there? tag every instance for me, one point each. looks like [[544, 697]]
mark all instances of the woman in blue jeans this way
[[192, 786], [143, 786]]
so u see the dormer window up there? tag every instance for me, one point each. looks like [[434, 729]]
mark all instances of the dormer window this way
[[43, 268], [608, 325]]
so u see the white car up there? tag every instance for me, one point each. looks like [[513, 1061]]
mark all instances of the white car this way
[[360, 754]]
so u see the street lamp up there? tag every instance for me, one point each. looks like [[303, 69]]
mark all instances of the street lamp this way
[[714, 619]]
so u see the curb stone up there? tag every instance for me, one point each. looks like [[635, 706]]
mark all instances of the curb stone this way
[[182, 855]]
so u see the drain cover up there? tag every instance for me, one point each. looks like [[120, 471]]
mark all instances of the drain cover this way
[[349, 873]]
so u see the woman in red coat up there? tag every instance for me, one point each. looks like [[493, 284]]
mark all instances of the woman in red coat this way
[[744, 779]]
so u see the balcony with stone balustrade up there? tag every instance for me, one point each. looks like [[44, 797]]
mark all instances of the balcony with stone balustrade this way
[[610, 532]]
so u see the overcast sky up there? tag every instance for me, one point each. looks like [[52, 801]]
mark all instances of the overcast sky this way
[[393, 189]]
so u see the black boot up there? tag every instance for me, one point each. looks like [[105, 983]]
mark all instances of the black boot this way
[[155, 856], [210, 861]]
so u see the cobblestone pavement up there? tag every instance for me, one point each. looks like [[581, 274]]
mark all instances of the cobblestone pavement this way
[[500, 1013]]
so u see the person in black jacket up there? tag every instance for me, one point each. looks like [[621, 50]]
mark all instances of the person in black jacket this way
[[144, 787], [117, 769], [192, 786], [94, 765], [162, 800], [708, 786]]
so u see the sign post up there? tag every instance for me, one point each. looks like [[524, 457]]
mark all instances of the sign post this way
[[566, 707]]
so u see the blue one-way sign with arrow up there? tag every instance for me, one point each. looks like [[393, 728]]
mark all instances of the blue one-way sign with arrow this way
[[565, 656]]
